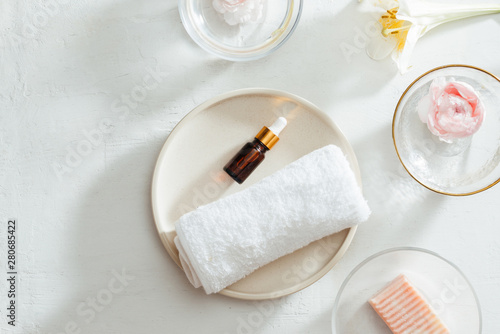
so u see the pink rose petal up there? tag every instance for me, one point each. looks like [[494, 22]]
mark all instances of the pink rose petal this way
[[451, 110]]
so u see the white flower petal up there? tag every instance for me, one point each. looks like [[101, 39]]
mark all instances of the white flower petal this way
[[434, 13], [403, 58], [239, 11], [379, 47], [377, 5]]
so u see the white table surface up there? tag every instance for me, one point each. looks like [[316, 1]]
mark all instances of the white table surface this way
[[65, 80]]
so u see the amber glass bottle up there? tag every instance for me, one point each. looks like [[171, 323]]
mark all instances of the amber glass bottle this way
[[253, 153]]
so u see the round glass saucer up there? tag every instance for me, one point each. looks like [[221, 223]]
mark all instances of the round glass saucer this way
[[465, 166], [441, 282]]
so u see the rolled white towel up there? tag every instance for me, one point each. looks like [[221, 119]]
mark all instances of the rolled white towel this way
[[314, 196]]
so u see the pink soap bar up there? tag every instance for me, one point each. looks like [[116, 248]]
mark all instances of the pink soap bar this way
[[405, 310]]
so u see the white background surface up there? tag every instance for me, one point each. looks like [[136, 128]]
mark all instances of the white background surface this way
[[76, 226]]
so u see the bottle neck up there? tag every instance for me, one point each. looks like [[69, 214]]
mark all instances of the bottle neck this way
[[259, 145]]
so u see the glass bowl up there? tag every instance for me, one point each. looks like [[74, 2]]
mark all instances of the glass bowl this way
[[245, 41], [465, 166], [441, 282]]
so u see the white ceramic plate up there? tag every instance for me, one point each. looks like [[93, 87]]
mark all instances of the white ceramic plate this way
[[189, 173]]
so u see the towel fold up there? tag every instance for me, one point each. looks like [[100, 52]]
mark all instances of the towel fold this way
[[314, 196]]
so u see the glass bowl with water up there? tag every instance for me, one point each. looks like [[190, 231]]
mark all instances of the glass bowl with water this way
[[244, 41], [465, 166]]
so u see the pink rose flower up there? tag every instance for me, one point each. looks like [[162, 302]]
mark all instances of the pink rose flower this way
[[452, 109], [239, 11]]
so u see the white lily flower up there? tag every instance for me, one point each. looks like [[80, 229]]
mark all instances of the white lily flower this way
[[405, 21]]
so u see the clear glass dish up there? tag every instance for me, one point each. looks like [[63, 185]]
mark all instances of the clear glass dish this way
[[245, 41], [464, 167], [441, 282]]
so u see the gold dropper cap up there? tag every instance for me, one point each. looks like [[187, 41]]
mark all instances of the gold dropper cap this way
[[269, 135]]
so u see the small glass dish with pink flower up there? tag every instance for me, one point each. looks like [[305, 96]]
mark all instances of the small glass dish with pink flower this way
[[446, 130], [240, 30]]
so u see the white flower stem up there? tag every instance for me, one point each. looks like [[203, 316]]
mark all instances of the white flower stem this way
[[432, 14]]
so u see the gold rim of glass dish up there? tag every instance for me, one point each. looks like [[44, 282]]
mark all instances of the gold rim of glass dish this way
[[394, 121]]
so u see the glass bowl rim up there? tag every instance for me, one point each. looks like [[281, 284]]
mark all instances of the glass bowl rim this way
[[251, 53], [397, 249], [394, 125]]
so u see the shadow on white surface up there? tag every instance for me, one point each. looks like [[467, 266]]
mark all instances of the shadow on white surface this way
[[395, 198], [338, 39], [112, 227]]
